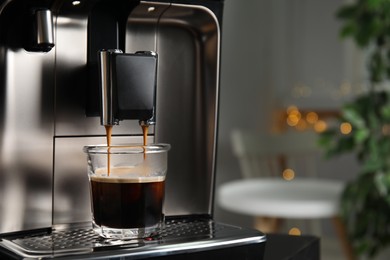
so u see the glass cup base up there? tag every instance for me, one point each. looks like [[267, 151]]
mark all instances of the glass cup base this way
[[126, 233]]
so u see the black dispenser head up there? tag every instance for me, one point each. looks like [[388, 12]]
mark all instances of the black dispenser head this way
[[127, 86]]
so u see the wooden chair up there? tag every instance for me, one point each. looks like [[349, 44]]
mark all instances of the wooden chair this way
[[270, 194]]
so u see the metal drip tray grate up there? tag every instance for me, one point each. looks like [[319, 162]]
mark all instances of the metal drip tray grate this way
[[81, 239], [58, 241]]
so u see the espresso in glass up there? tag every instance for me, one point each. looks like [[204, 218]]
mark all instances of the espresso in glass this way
[[127, 201]]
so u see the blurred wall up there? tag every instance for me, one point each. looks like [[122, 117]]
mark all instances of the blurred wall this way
[[272, 52], [242, 91]]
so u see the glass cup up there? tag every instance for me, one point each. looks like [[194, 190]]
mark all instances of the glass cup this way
[[127, 186]]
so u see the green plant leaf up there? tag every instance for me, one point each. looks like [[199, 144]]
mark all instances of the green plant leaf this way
[[361, 135], [351, 114], [344, 144], [347, 12], [376, 67], [385, 112], [365, 202], [374, 4], [348, 29], [326, 139], [381, 183]]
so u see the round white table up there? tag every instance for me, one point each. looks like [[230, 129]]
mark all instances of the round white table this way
[[276, 197]]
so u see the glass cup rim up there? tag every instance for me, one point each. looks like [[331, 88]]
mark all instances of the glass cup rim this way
[[127, 148]]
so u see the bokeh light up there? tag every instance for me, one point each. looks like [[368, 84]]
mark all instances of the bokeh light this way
[[345, 128], [320, 126], [295, 231], [288, 174], [312, 117]]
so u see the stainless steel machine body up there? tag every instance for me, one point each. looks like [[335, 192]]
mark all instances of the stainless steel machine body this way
[[48, 108], [44, 123]]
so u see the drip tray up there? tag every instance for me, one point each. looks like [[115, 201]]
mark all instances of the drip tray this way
[[177, 237]]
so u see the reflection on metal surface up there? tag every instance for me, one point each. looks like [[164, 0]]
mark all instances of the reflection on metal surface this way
[[26, 135], [186, 96], [72, 78]]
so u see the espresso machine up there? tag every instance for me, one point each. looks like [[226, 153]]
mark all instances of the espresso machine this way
[[64, 68]]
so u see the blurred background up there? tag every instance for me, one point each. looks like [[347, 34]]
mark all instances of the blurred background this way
[[280, 57]]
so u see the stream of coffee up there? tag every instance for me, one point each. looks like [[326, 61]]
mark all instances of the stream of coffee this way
[[145, 129], [108, 136]]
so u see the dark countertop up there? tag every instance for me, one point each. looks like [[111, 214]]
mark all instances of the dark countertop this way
[[280, 246]]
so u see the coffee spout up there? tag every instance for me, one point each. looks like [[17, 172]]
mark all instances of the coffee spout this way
[[106, 87], [127, 86]]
